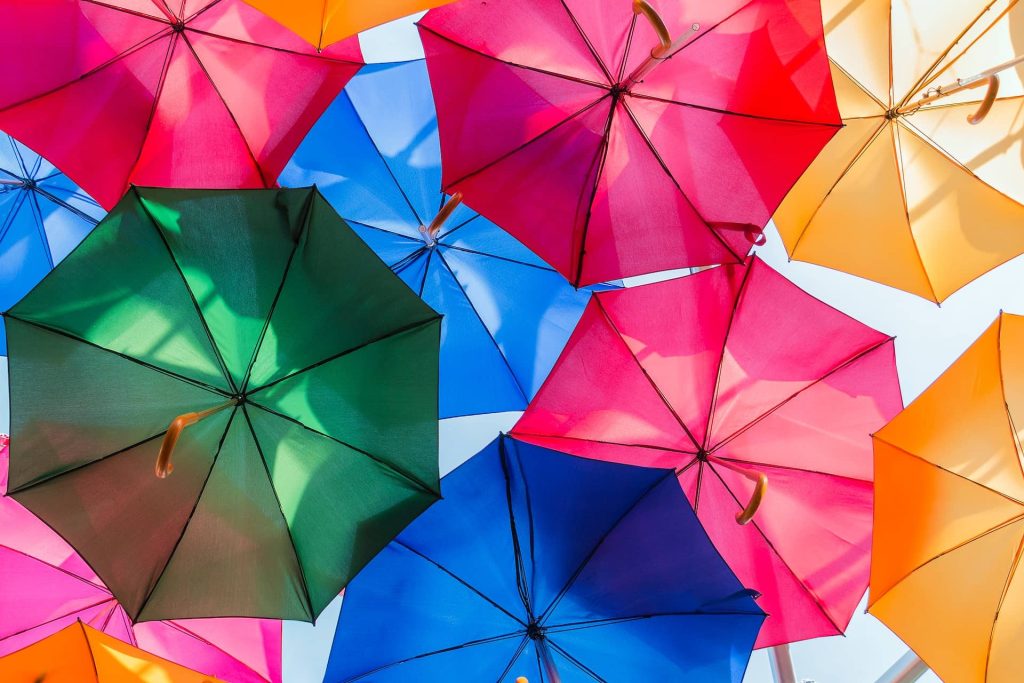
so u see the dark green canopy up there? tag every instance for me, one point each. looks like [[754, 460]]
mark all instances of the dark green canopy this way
[[265, 304]]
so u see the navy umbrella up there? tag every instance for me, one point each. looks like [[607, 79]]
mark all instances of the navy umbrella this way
[[542, 565]]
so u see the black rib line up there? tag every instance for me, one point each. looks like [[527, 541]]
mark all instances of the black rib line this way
[[472, 643], [700, 480], [394, 333], [515, 657], [528, 499], [739, 114], [494, 342], [37, 215], [125, 10], [426, 271], [188, 380], [600, 159], [579, 570], [628, 47], [200, 11], [110, 614], [238, 41], [284, 520], [64, 615], [465, 583], [303, 230], [19, 201], [62, 570], [445, 233], [88, 647], [407, 260], [231, 114], [191, 295], [650, 380], [392, 233], [597, 623], [519, 435], [18, 157], [800, 582], [46, 194], [545, 268], [838, 368], [379, 461], [801, 470], [520, 569], [575, 662], [188, 520], [586, 40]]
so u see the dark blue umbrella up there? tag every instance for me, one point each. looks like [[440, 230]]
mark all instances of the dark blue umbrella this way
[[375, 156], [43, 216], [551, 567]]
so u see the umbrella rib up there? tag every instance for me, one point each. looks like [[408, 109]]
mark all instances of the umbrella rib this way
[[521, 584], [739, 114], [426, 271], [62, 570], [37, 215], [444, 234], [579, 570], [597, 623], [68, 207], [303, 230], [407, 260], [679, 188], [999, 606], [841, 366], [381, 462], [188, 520], [19, 202], [169, 373], [900, 165], [1006, 406], [465, 583], [393, 333], [65, 615], [414, 240], [280, 508], [650, 380], [807, 589], [125, 10], [177, 626], [600, 159], [231, 114], [515, 656], [882, 105], [199, 11], [294, 53], [494, 342], [628, 47], [741, 461], [529, 520], [586, 41], [191, 294], [575, 662], [19, 157], [445, 650], [545, 268], [518, 434]]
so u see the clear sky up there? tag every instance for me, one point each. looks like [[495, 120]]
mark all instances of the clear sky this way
[[929, 338]]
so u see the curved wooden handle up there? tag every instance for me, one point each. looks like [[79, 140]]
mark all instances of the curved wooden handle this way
[[760, 480], [657, 23], [444, 214], [164, 466], [986, 104]]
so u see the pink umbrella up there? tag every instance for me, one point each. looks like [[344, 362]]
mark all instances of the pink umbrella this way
[[755, 393], [47, 586]]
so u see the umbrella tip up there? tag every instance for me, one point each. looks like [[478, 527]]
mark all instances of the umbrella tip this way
[[522, 679]]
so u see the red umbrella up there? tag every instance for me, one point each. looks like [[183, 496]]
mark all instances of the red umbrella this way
[[611, 149], [180, 93], [756, 393]]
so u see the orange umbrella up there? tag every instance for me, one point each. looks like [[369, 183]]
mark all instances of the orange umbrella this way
[[79, 653], [921, 190], [323, 22], [949, 515]]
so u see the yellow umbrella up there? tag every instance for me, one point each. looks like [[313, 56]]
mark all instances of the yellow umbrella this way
[[322, 22], [949, 515], [911, 193]]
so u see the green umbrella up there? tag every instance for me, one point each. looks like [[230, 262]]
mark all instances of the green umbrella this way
[[310, 372]]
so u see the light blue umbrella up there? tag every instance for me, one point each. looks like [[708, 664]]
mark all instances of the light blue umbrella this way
[[376, 157], [43, 216]]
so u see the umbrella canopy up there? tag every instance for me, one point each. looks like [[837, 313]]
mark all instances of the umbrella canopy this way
[[375, 156], [207, 94], [312, 371], [323, 22], [612, 154], [908, 194], [949, 515], [47, 587], [80, 653], [43, 216], [754, 392], [551, 567]]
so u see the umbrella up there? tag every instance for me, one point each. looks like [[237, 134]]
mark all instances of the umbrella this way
[[949, 515], [323, 22], [611, 150], [541, 565], [207, 94], [307, 370], [43, 216], [47, 587], [917, 191], [79, 653], [375, 157], [757, 394]]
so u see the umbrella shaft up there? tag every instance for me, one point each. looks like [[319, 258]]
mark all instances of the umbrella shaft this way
[[549, 664], [961, 84]]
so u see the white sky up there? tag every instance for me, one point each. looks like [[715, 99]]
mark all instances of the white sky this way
[[929, 338]]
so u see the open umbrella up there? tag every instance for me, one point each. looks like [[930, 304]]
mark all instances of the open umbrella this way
[[611, 149], [172, 93], [46, 586], [79, 653], [43, 216], [307, 370], [323, 22], [550, 567], [757, 394], [949, 515], [921, 190], [375, 156]]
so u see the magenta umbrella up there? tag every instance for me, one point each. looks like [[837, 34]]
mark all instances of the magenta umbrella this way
[[47, 585]]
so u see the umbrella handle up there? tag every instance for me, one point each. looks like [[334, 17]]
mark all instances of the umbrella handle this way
[[164, 466], [657, 23], [986, 104], [430, 231], [760, 480]]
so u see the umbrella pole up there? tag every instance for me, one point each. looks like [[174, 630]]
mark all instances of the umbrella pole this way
[[666, 46], [781, 664], [906, 669], [988, 77], [760, 480], [550, 670], [164, 466], [430, 231]]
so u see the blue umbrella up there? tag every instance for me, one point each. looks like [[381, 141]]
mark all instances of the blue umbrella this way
[[550, 567], [43, 216], [376, 157]]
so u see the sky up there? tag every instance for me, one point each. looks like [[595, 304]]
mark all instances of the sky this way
[[928, 339]]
